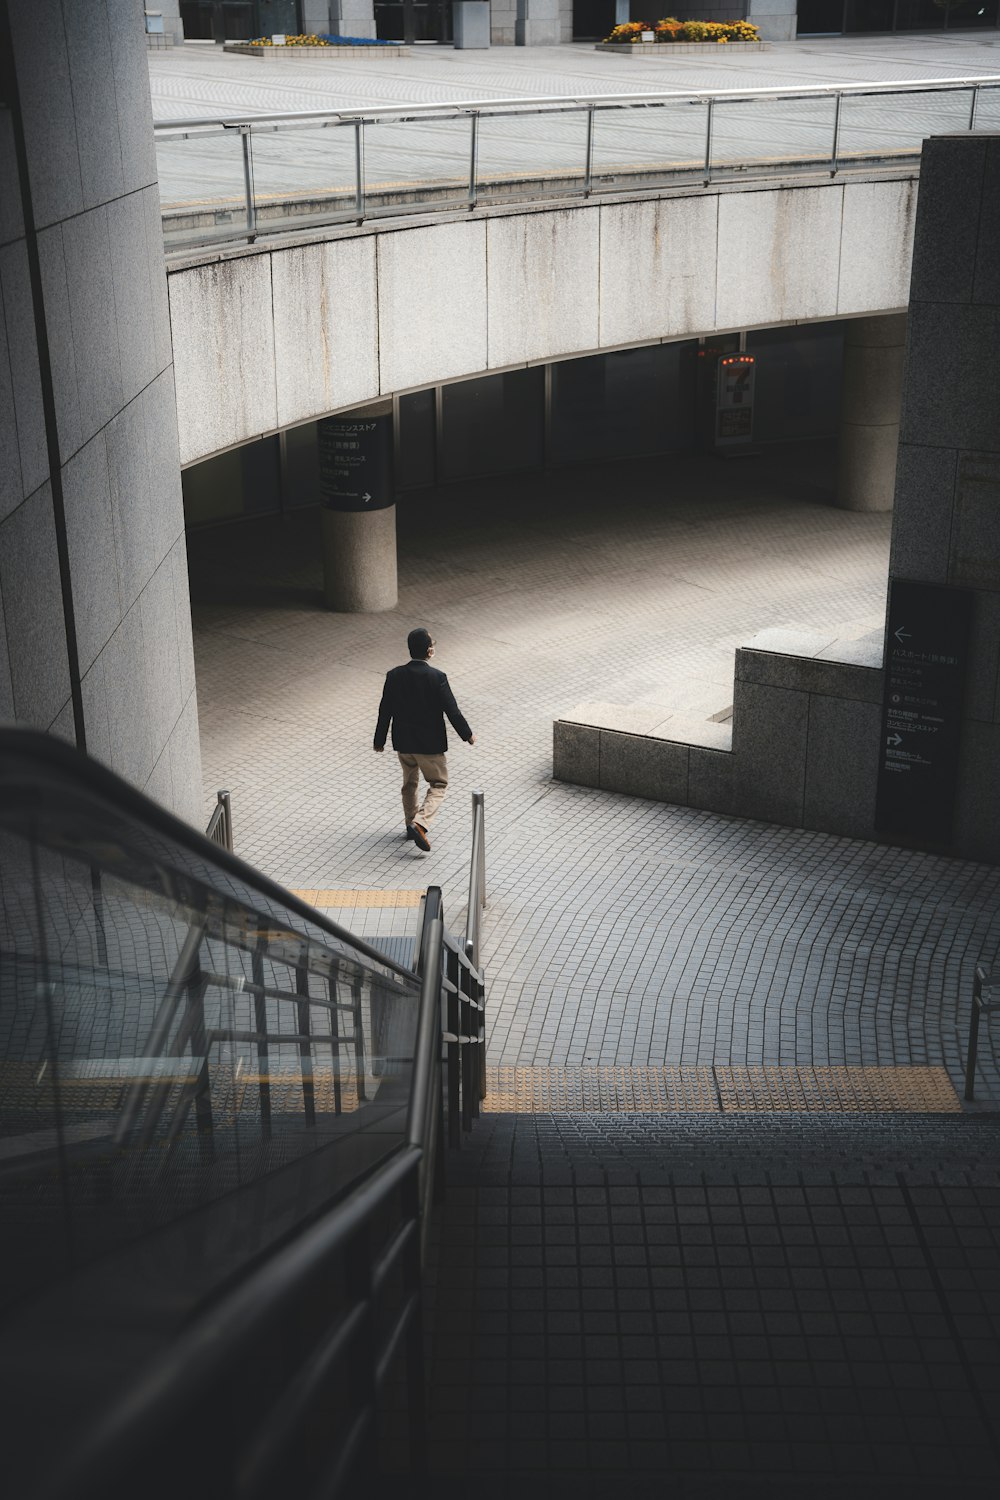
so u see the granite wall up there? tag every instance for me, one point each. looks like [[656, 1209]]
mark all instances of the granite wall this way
[[95, 623]]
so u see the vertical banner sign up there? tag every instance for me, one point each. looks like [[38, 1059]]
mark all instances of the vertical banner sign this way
[[355, 462], [734, 400], [927, 653]]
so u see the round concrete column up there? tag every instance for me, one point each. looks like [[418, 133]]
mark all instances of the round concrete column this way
[[869, 416], [359, 517], [359, 560]]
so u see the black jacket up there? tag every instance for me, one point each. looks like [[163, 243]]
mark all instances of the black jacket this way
[[416, 698]]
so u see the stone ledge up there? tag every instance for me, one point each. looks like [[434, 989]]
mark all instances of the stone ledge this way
[[806, 661], [389, 50], [663, 50]]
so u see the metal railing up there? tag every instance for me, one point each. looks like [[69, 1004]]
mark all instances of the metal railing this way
[[220, 824], [349, 166], [985, 1000], [220, 1037]]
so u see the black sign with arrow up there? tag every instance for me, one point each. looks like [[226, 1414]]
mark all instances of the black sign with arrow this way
[[355, 462], [926, 658]]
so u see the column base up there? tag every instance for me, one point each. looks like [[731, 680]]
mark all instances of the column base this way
[[359, 560]]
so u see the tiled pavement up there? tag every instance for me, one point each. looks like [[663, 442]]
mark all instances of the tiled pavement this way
[[618, 931], [712, 1310]]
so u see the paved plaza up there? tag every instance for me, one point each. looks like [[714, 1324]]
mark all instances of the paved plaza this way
[[619, 931]]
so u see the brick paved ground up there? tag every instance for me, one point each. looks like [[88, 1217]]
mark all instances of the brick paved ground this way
[[618, 931]]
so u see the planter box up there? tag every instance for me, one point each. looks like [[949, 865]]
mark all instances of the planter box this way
[[388, 49], [661, 51]]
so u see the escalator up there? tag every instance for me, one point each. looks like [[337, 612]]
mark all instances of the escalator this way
[[219, 1121]]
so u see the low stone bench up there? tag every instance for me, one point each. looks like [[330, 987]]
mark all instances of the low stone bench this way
[[800, 749]]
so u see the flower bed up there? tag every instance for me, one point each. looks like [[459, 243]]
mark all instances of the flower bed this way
[[674, 32], [325, 40], [311, 45]]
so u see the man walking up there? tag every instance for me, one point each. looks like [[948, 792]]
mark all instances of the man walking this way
[[416, 698]]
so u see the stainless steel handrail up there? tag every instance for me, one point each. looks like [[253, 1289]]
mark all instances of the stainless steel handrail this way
[[553, 103], [220, 824], [477, 880], [357, 200]]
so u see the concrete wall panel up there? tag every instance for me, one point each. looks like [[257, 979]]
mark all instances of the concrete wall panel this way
[[774, 262], [135, 528], [95, 712], [325, 328], [160, 655], [33, 611], [431, 304], [223, 340], [11, 218], [131, 94], [876, 246], [158, 312], [543, 289], [128, 706], [90, 539], [841, 754], [132, 293], [46, 93], [185, 767], [166, 500], [88, 38], [652, 276], [769, 742], [29, 467], [87, 243], [59, 330]]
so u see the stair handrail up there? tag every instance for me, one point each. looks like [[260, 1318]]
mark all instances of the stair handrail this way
[[477, 880]]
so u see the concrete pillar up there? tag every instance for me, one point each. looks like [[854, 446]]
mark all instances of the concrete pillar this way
[[95, 617], [538, 23], [869, 416], [776, 20], [340, 17], [359, 560], [358, 515], [946, 522]]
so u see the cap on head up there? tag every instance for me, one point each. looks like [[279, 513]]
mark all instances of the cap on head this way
[[419, 643]]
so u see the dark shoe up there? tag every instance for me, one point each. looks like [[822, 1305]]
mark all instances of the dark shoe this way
[[419, 837], [409, 831]]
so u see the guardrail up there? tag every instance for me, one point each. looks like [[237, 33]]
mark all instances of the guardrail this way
[[236, 177], [241, 1093], [220, 824]]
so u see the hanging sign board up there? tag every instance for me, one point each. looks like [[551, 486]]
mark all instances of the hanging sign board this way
[[734, 399], [355, 462], [926, 659]]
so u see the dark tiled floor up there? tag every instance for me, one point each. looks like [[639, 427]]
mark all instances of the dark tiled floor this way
[[716, 1305]]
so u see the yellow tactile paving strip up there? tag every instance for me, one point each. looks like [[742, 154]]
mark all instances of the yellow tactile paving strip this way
[[718, 1090], [326, 898], [562, 1090]]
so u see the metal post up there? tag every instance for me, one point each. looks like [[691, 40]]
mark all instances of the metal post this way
[[248, 181], [473, 158], [260, 1022], [588, 170], [708, 141], [835, 152], [359, 170], [979, 1005], [975, 105], [222, 797], [305, 1045]]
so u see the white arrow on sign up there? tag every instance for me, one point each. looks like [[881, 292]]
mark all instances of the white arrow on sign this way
[[366, 497], [894, 739], [901, 635]]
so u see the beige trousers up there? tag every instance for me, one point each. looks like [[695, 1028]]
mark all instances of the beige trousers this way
[[434, 769]]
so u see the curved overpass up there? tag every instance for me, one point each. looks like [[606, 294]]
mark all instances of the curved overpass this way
[[270, 335]]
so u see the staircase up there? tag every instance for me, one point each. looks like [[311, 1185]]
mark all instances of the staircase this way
[[714, 1304]]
